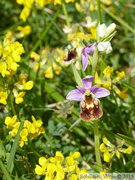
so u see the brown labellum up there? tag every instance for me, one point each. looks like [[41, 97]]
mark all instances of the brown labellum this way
[[71, 55], [90, 109]]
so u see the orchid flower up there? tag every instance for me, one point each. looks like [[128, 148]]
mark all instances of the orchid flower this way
[[88, 96], [103, 48], [87, 50]]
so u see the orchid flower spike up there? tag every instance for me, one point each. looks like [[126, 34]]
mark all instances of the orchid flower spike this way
[[88, 96]]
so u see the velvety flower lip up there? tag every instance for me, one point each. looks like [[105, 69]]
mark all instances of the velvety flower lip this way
[[77, 94], [87, 50], [72, 54]]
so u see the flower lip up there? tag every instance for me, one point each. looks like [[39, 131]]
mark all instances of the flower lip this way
[[71, 55]]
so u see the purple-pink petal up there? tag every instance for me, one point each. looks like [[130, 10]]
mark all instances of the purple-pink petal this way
[[90, 48], [81, 89], [75, 95], [84, 60], [87, 82], [99, 92]]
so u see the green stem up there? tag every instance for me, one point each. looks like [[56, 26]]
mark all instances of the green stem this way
[[97, 144], [66, 14], [94, 61], [12, 104], [77, 76], [4, 170], [48, 140], [10, 161], [99, 11]]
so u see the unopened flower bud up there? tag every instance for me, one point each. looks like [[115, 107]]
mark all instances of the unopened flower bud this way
[[102, 30], [110, 29]]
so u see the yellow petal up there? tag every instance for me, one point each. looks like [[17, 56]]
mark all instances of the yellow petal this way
[[118, 154]]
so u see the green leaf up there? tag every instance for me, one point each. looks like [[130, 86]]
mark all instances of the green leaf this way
[[51, 126], [129, 140], [53, 93], [10, 161], [4, 170], [75, 123], [77, 76]]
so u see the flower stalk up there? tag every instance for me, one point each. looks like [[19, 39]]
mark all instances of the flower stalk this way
[[99, 11], [97, 145], [66, 14]]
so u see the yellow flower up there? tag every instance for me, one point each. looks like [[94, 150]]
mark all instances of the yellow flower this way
[[8, 38], [122, 94], [126, 150], [79, 7], [68, 1], [3, 69], [42, 168], [22, 84], [10, 121], [103, 148], [107, 83], [10, 55], [93, 32], [41, 3], [3, 97], [35, 128], [49, 71], [28, 85], [58, 167], [109, 150], [14, 131], [107, 156], [97, 79], [24, 31], [75, 155], [25, 13], [24, 134], [129, 150], [19, 97], [73, 177], [118, 154], [108, 2], [59, 156], [120, 75], [35, 56], [108, 71], [57, 2], [31, 130]]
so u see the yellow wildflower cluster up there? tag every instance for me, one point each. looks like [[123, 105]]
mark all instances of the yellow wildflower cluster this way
[[85, 30], [22, 84], [108, 83], [19, 32], [58, 167], [30, 129], [10, 54], [90, 5], [110, 149], [49, 62], [41, 3]]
